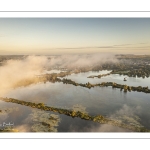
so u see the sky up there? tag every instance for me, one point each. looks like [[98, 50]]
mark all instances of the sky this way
[[46, 36]]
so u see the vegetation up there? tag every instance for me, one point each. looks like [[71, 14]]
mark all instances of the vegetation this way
[[129, 65], [99, 118], [99, 76], [44, 121], [113, 84]]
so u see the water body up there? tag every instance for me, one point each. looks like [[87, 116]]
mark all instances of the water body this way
[[130, 108], [131, 81]]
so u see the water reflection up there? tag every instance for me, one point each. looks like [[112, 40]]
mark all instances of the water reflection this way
[[98, 100], [80, 108], [16, 114], [131, 81], [130, 108], [44, 121], [128, 115], [69, 124], [82, 77], [26, 119]]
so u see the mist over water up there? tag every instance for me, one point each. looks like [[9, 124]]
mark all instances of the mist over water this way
[[79, 61], [86, 74], [128, 108], [14, 71]]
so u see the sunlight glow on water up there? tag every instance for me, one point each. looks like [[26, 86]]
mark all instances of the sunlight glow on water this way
[[131, 107]]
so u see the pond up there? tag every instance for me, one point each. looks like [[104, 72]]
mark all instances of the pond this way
[[131, 81], [131, 108]]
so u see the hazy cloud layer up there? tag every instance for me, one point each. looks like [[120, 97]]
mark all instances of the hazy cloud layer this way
[[75, 61], [16, 70]]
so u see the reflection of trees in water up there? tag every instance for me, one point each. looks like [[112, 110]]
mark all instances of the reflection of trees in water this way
[[44, 121], [4, 112], [131, 120], [128, 115], [80, 108], [8, 110], [125, 95], [37, 117]]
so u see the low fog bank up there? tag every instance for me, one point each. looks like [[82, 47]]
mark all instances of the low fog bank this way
[[81, 61], [14, 71]]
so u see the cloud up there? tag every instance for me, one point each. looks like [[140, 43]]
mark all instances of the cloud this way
[[78, 61], [128, 115], [135, 45], [14, 71], [97, 128], [108, 128]]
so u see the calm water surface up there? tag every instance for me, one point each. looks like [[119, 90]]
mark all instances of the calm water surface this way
[[130, 108], [131, 81]]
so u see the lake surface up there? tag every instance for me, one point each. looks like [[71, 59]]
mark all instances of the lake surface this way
[[129, 108], [131, 81]]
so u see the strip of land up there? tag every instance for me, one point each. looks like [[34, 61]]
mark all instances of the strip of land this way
[[106, 84], [99, 118], [59, 78], [99, 76]]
